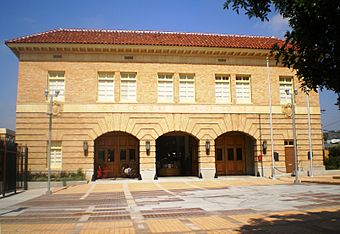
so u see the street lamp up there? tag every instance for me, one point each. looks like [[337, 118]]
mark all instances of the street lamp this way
[[296, 166], [50, 95]]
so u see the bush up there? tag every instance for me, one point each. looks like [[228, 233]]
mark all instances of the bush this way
[[333, 162], [59, 176]]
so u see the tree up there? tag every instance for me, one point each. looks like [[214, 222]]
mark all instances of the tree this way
[[312, 46]]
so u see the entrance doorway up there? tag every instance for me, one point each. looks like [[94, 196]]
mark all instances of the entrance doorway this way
[[116, 155], [289, 156], [234, 154], [177, 155]]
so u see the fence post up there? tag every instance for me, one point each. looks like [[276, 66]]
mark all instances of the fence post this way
[[21, 167], [4, 172], [26, 168]]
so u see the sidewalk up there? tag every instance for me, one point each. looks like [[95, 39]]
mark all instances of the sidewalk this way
[[20, 196], [324, 179]]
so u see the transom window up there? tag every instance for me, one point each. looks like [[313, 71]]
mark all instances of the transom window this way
[[288, 142], [106, 86], [165, 87], [186, 88], [222, 88], [286, 83], [56, 155], [243, 94], [56, 81], [128, 87]]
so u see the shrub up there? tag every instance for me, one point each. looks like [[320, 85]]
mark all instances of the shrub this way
[[59, 176], [333, 162]]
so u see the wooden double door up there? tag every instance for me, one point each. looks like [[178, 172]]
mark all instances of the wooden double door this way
[[115, 152], [230, 157]]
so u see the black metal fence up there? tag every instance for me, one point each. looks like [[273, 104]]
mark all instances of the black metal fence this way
[[13, 166]]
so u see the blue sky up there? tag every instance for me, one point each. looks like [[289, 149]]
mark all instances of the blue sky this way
[[19, 18]]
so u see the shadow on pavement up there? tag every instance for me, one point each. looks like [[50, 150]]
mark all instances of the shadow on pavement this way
[[309, 222]]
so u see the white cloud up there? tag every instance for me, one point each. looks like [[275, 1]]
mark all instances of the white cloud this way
[[276, 26]]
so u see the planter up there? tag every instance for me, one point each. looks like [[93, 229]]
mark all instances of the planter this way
[[54, 184]]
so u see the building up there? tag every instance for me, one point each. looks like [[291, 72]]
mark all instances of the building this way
[[6, 133], [159, 103]]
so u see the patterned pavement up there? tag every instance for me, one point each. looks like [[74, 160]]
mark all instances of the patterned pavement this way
[[251, 205]]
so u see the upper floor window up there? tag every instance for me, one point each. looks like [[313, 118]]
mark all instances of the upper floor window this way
[[56, 155], [286, 83], [56, 81], [165, 87], [222, 88], [128, 87], [186, 88], [243, 94], [106, 86]]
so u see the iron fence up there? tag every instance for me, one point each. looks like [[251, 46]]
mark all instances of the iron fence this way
[[13, 166]]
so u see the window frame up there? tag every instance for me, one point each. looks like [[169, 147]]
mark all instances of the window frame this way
[[166, 81], [55, 147], [240, 79], [186, 77], [222, 81], [104, 76], [283, 81], [127, 79], [56, 78]]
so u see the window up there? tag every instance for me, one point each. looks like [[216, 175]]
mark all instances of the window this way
[[219, 154], [243, 89], [110, 155], [186, 88], [132, 154], [165, 87], [230, 153], [122, 154], [288, 142], [106, 86], [222, 88], [128, 87], [56, 81], [56, 155], [285, 83]]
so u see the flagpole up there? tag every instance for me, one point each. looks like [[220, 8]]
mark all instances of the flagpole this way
[[270, 121]]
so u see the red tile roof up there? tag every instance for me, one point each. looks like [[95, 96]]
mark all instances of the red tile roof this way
[[126, 37]]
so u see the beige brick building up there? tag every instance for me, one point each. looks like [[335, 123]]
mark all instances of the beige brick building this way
[[157, 103]]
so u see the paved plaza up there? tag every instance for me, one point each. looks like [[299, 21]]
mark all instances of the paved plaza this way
[[182, 205]]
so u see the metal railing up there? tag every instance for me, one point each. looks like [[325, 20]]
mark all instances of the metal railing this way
[[13, 166]]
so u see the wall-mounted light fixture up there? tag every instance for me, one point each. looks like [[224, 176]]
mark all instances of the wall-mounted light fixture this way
[[147, 147], [207, 147], [85, 147], [264, 146]]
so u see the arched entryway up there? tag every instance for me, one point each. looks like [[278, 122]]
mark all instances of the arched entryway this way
[[116, 155], [234, 154], [177, 155]]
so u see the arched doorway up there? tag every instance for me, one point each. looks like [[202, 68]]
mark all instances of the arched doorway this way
[[177, 155], [116, 155], [234, 154]]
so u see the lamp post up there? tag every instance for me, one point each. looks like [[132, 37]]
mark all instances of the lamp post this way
[[296, 166], [50, 95], [309, 138]]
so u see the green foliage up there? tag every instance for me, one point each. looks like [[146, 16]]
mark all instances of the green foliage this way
[[312, 46], [61, 176], [333, 162]]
